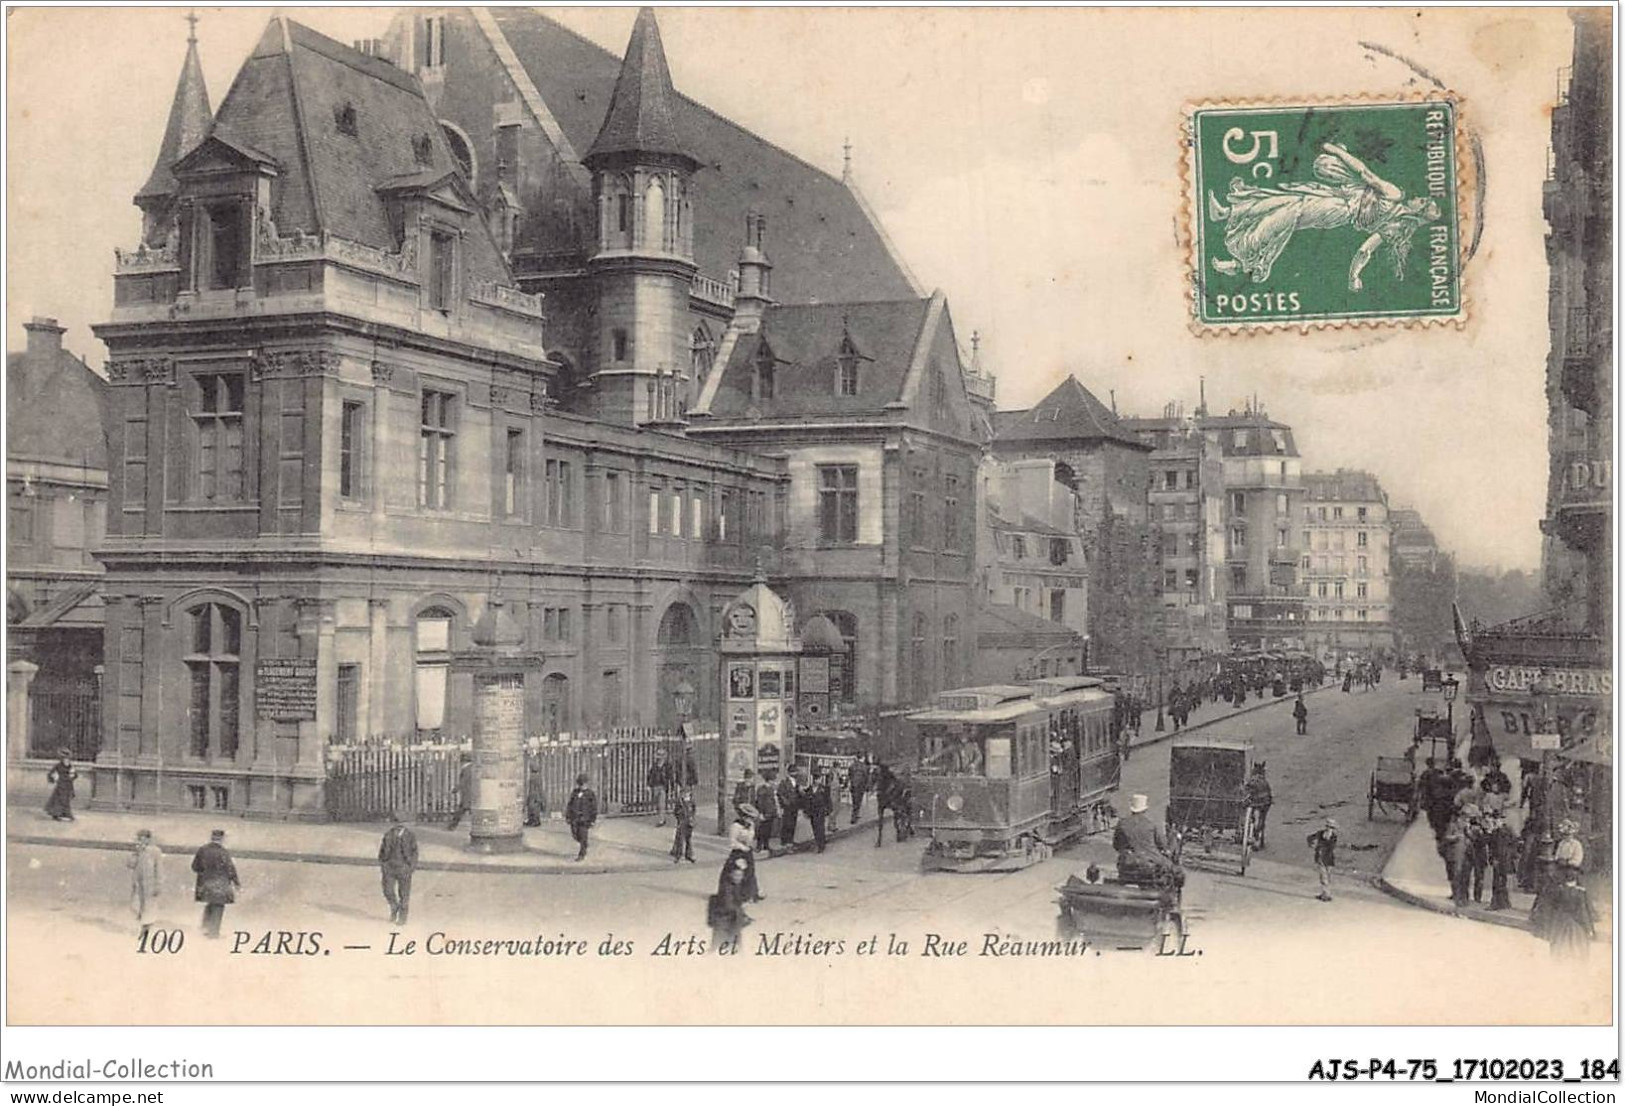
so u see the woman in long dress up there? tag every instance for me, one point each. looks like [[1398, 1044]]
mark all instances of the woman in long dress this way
[[62, 774], [146, 879], [1261, 220]]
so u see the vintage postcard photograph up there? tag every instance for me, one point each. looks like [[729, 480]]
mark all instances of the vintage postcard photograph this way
[[811, 516]]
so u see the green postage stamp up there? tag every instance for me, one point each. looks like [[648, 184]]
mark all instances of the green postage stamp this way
[[1314, 215]]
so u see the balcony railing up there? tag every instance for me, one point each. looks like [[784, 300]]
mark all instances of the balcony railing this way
[[710, 290]]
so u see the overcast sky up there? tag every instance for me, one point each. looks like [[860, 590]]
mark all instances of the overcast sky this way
[[1026, 162]]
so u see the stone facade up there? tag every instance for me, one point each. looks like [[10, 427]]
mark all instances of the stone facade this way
[[1345, 563]]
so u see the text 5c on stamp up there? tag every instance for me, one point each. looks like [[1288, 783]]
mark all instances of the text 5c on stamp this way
[[1321, 214]]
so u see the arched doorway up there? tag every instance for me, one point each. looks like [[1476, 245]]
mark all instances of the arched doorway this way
[[555, 704], [678, 652]]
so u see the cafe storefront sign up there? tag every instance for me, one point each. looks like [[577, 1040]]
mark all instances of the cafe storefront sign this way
[[1506, 679]]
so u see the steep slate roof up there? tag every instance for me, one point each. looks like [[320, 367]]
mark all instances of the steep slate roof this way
[[806, 339], [824, 248], [283, 104], [55, 411], [994, 619], [1068, 413], [188, 122], [642, 116], [1347, 485]]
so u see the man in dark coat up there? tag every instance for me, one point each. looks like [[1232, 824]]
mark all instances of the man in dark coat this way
[[819, 800], [682, 842], [745, 791], [790, 795], [1300, 714], [1142, 849], [1260, 797], [766, 800], [660, 785], [1323, 844], [581, 812], [465, 790], [858, 784], [398, 858], [217, 881]]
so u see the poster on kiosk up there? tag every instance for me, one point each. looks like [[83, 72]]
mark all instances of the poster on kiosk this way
[[759, 650]]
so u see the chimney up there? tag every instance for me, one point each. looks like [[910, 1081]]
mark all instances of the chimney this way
[[44, 337], [753, 298]]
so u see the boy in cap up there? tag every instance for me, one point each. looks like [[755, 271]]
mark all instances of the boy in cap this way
[[1324, 843], [581, 812]]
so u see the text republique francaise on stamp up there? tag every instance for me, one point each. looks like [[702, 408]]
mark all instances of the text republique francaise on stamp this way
[[1322, 214]]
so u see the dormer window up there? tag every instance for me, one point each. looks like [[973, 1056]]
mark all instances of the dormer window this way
[[344, 119], [221, 246], [765, 364], [846, 369], [441, 269]]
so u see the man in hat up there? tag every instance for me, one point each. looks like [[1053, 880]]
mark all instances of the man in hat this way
[[146, 879], [217, 881], [1300, 714], [581, 812], [1142, 848], [465, 789], [1324, 844], [1503, 857], [397, 860], [1259, 800], [682, 843]]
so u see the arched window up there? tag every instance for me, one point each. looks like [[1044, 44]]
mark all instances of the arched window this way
[[654, 215], [676, 626], [917, 657], [615, 216], [683, 234], [432, 650], [950, 650], [843, 666], [555, 704], [213, 664], [701, 349]]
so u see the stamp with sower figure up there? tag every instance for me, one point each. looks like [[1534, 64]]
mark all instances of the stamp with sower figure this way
[[1315, 215]]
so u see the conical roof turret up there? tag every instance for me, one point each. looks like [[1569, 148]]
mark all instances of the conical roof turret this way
[[643, 116], [189, 118]]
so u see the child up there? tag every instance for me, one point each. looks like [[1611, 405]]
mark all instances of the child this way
[[1324, 843], [682, 808]]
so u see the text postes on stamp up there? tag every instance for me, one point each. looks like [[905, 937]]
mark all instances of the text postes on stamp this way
[[1321, 214]]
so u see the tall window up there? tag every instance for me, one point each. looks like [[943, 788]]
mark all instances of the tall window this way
[[1238, 538], [555, 704], [950, 513], [618, 344], [1360, 590], [1238, 577], [348, 704], [433, 47], [218, 420], [442, 259], [1238, 503], [765, 363], [654, 214], [1360, 513], [513, 472], [838, 503], [433, 657], [611, 712], [950, 650], [623, 213], [916, 657], [1360, 542], [846, 370], [350, 438], [696, 514], [614, 503], [939, 390], [725, 511], [654, 510], [213, 667], [560, 504], [436, 433]]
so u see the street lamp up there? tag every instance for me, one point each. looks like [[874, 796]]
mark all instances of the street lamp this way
[[1450, 685]]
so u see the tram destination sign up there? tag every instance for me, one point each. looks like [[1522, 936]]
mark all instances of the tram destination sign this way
[[285, 690]]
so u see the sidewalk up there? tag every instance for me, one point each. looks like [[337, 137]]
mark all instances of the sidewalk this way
[[1415, 874], [632, 844]]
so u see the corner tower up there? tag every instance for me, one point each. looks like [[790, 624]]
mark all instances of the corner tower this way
[[643, 267]]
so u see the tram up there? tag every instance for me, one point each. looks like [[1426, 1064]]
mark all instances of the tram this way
[[1010, 771]]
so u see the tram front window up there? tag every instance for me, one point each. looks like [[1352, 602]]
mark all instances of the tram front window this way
[[951, 754]]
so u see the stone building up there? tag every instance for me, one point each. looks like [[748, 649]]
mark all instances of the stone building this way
[[343, 421], [1029, 555], [1412, 542], [1106, 466], [1344, 563], [56, 513]]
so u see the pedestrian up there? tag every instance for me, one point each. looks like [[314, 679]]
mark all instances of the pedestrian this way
[[1497, 783], [1348, 681], [465, 789], [535, 790], [1143, 853], [146, 879], [659, 781], [397, 860], [742, 847], [725, 910], [1566, 917], [1503, 856], [767, 804], [1260, 798], [820, 802], [745, 791], [61, 776], [885, 785], [1300, 714], [858, 784], [789, 794], [1570, 852], [902, 807], [683, 810], [217, 882], [1478, 853], [581, 812], [1454, 848], [1324, 844]]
